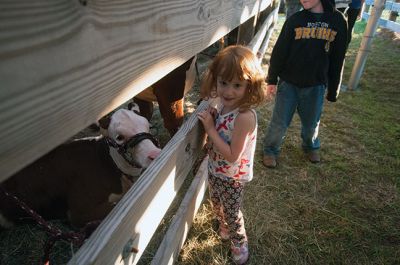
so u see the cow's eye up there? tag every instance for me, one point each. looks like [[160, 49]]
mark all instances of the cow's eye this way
[[120, 138]]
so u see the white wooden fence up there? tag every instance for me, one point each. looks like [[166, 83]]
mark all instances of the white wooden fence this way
[[66, 63], [385, 22]]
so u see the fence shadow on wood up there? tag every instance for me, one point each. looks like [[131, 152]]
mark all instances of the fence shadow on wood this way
[[109, 54]]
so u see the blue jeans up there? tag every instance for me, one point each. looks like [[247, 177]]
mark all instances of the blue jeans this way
[[308, 102]]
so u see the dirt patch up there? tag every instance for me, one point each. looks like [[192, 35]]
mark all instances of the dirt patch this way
[[389, 35]]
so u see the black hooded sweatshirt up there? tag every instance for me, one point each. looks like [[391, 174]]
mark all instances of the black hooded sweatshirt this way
[[310, 50]]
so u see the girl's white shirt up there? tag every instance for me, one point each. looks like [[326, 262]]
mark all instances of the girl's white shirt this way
[[242, 169]]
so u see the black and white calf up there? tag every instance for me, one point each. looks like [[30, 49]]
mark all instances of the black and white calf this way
[[83, 179]]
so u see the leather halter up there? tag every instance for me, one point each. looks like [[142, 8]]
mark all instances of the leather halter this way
[[131, 143]]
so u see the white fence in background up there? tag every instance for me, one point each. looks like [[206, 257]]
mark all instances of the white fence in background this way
[[384, 22]]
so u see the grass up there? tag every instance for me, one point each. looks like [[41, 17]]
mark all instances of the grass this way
[[345, 210]]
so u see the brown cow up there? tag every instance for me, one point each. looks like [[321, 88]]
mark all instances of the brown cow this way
[[169, 92], [83, 179]]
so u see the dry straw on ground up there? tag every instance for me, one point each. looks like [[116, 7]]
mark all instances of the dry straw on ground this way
[[342, 211]]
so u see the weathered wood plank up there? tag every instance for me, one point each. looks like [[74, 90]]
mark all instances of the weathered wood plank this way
[[265, 43], [175, 237], [63, 65], [260, 36], [246, 31], [138, 214]]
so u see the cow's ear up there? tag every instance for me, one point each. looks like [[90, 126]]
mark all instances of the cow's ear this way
[[94, 127], [134, 107], [104, 122]]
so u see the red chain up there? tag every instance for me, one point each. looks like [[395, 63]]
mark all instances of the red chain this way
[[55, 234]]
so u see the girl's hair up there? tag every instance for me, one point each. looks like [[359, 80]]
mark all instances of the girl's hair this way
[[240, 62]]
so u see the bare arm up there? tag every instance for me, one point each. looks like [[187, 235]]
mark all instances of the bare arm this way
[[244, 124]]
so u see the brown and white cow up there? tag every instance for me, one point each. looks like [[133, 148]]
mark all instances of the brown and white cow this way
[[169, 93], [82, 180]]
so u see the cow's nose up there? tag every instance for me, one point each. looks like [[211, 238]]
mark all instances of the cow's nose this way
[[153, 155]]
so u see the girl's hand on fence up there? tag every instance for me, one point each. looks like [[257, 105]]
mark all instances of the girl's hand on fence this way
[[213, 112], [207, 119]]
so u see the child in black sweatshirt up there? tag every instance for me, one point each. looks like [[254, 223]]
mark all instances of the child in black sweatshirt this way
[[307, 59]]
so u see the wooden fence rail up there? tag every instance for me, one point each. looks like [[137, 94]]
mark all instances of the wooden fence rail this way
[[129, 225], [136, 217], [63, 65]]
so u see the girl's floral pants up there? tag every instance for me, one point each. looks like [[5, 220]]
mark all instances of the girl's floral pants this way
[[226, 197]]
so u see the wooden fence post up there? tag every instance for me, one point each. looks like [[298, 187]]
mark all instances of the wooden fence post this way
[[246, 31]]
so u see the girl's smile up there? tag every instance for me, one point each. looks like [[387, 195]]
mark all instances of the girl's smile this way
[[231, 92]]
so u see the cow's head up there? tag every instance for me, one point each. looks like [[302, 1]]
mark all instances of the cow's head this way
[[130, 132]]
